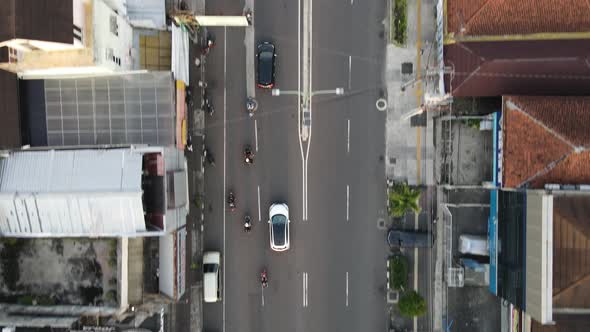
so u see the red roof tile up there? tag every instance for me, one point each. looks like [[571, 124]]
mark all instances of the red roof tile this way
[[545, 141], [510, 17]]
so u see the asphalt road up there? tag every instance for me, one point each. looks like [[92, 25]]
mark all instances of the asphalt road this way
[[339, 247]]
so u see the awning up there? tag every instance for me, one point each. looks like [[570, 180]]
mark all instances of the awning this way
[[180, 55], [180, 114], [220, 21]]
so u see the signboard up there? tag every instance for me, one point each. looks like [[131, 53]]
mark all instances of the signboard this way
[[498, 149], [493, 240]]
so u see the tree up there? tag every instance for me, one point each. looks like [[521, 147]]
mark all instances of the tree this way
[[412, 304], [402, 198]]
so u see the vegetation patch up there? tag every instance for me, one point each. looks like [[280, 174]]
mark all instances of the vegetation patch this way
[[399, 22], [412, 304], [398, 272], [401, 199]]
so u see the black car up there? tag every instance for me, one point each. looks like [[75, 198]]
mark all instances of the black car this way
[[409, 239], [266, 65]]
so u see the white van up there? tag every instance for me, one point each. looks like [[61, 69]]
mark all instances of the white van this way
[[474, 245], [211, 276]]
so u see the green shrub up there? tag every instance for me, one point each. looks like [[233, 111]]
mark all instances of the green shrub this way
[[25, 300], [400, 21], [412, 304], [398, 272], [401, 199]]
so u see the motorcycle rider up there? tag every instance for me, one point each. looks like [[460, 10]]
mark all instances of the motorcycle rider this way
[[247, 224], [249, 155], [231, 201], [264, 279]]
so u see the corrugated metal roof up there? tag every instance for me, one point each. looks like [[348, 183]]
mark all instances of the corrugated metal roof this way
[[71, 193], [150, 14], [115, 170], [71, 214]]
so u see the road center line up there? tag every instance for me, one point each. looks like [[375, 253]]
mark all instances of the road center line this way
[[349, 71], [305, 289], [224, 154], [347, 201], [347, 289], [259, 216], [256, 133], [348, 137]]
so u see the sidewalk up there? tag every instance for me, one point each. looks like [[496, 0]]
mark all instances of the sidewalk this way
[[405, 161], [409, 138]]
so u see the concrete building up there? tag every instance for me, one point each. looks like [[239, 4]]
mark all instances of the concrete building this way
[[538, 224], [112, 192]]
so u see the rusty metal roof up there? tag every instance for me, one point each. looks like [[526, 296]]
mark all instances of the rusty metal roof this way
[[47, 20], [541, 67]]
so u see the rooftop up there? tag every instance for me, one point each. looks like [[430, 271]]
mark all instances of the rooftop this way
[[546, 141], [525, 67], [25, 19], [516, 17]]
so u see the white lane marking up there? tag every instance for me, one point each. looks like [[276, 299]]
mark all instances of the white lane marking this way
[[259, 215], [262, 287], [348, 137], [347, 289], [351, 2], [256, 133], [299, 107], [347, 201], [349, 72], [305, 303], [224, 154], [310, 89]]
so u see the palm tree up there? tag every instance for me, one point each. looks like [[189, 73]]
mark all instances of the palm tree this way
[[402, 198]]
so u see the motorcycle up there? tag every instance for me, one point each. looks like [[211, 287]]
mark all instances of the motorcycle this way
[[231, 201], [264, 279], [207, 105], [248, 155], [251, 106], [208, 157], [247, 224], [189, 144]]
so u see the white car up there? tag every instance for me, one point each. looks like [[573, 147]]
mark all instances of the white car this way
[[211, 276], [279, 226]]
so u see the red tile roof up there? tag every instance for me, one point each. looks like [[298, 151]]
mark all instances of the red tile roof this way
[[510, 17], [546, 67], [546, 140]]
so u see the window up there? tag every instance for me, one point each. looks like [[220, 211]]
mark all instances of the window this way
[[114, 25]]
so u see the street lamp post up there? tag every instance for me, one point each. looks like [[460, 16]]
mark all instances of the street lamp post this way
[[305, 109]]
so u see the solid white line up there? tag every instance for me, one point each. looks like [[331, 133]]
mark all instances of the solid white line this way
[[256, 133], [262, 287], [310, 89], [299, 107], [224, 155], [347, 289], [259, 216], [348, 137], [347, 201], [349, 71], [304, 289]]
